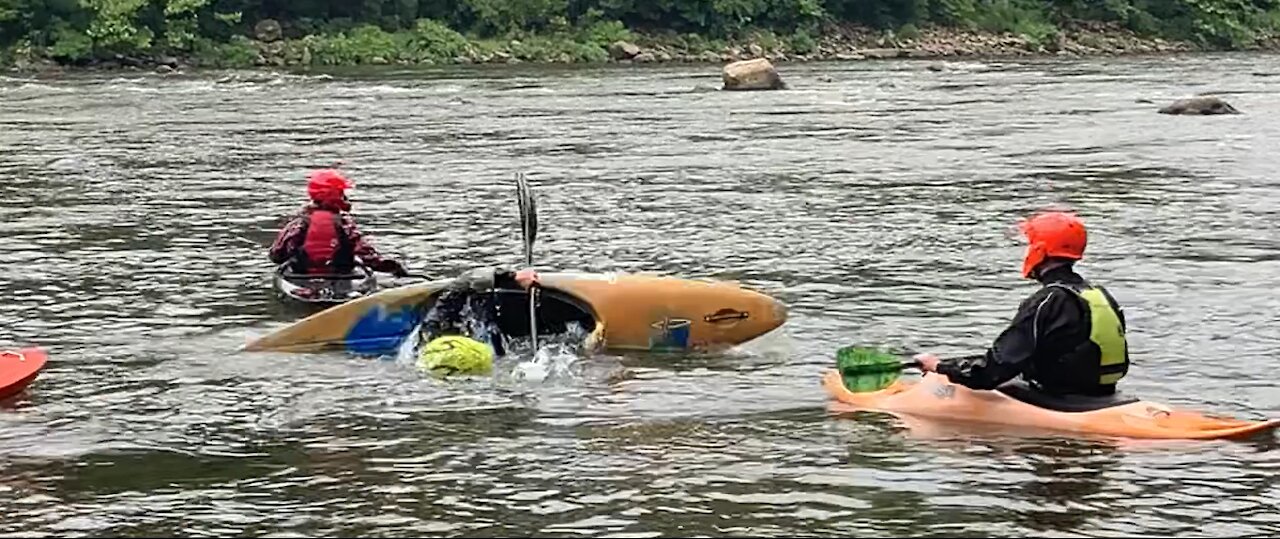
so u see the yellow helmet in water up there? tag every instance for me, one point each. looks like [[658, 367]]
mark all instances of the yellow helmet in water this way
[[455, 354]]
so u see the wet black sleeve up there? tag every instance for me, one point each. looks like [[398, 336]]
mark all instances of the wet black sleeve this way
[[505, 278], [445, 316], [1015, 347], [485, 279]]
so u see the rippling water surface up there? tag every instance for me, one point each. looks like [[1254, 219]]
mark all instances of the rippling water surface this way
[[875, 199]]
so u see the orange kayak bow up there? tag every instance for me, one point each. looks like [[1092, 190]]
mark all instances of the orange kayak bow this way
[[935, 397]]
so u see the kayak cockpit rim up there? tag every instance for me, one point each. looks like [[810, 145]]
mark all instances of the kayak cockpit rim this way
[[556, 310], [358, 273]]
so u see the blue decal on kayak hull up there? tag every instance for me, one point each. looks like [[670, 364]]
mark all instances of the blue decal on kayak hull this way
[[381, 329], [669, 334]]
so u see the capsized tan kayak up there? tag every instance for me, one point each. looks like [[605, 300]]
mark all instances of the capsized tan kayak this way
[[935, 397], [619, 311]]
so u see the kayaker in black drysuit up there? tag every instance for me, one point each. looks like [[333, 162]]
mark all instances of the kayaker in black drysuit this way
[[467, 306], [1068, 338]]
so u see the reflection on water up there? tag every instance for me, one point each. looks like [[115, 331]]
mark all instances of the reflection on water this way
[[873, 198]]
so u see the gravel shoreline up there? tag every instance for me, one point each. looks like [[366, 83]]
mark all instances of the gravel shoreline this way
[[849, 43]]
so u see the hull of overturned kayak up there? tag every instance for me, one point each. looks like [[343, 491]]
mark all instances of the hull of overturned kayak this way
[[19, 368], [620, 311], [934, 397], [324, 290]]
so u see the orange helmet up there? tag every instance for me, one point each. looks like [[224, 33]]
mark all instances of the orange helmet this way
[[1052, 234]]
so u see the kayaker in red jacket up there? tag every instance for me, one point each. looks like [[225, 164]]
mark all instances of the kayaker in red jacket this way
[[1068, 338], [323, 237]]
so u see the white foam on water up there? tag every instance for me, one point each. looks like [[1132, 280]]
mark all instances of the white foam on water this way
[[407, 353], [554, 360], [551, 363]]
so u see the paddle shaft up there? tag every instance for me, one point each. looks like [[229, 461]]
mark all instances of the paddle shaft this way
[[533, 301], [529, 229], [867, 369], [915, 364], [903, 364]]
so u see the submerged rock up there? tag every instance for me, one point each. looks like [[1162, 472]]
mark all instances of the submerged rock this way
[[1203, 105]]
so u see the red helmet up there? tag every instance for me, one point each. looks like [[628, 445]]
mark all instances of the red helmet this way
[[327, 185], [1052, 234]]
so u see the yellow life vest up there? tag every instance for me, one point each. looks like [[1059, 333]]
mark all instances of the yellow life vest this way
[[1107, 332]]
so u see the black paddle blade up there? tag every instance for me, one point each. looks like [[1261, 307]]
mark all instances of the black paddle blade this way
[[528, 214], [868, 369], [529, 228]]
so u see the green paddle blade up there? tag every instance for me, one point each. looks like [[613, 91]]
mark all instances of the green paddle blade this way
[[862, 360], [868, 369]]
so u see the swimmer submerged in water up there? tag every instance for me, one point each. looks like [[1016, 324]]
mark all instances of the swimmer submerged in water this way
[[460, 333]]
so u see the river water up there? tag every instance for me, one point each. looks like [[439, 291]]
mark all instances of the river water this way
[[874, 199]]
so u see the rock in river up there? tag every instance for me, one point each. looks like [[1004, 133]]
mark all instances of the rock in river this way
[[757, 74], [1206, 104]]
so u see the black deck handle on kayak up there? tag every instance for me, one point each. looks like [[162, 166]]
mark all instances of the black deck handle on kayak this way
[[725, 315]]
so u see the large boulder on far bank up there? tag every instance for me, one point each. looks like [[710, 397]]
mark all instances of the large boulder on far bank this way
[[267, 30], [757, 74], [1205, 105], [621, 50]]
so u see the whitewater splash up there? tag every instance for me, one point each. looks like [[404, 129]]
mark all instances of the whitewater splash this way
[[555, 359], [552, 361]]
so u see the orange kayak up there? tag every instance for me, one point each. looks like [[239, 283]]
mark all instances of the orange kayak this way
[[18, 369], [935, 397]]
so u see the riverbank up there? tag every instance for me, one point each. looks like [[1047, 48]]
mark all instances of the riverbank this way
[[431, 43]]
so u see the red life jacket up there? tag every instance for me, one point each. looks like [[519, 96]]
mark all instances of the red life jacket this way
[[325, 248]]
